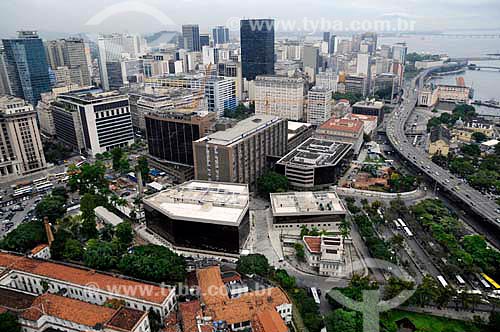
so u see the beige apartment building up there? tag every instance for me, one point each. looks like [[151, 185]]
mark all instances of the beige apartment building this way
[[21, 150], [239, 154]]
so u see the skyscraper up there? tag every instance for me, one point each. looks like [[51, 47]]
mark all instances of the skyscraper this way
[[204, 40], [257, 47], [69, 53], [27, 66], [21, 148], [191, 37], [220, 35]]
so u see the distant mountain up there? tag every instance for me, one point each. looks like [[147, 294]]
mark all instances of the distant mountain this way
[[161, 38]]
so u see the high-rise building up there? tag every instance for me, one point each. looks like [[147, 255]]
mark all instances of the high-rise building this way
[[4, 78], [69, 53], [101, 121], [280, 96], [220, 35], [319, 105], [311, 61], [399, 52], [257, 47], [204, 40], [239, 154], [330, 39], [327, 80], [170, 136], [363, 65], [221, 95], [191, 37], [27, 66], [21, 150]]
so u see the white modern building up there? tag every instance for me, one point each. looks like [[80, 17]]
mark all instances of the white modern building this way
[[101, 120], [280, 96], [319, 105], [221, 95]]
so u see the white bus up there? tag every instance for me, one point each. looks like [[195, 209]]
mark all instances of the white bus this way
[[44, 187], [482, 281], [315, 295], [442, 281], [461, 281], [407, 231], [24, 191], [40, 180], [401, 222], [397, 224]]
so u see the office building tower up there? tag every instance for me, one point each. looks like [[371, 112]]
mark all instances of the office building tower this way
[[210, 55], [220, 94], [27, 66], [327, 80], [370, 107], [204, 40], [21, 150], [356, 84], [93, 122], [311, 61], [239, 154], [257, 47], [69, 53], [280, 96], [369, 40], [399, 52], [170, 136], [319, 105], [330, 40], [343, 130], [220, 35], [364, 65], [4, 78], [191, 37]]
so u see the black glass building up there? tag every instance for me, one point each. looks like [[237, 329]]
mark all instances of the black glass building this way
[[257, 47]]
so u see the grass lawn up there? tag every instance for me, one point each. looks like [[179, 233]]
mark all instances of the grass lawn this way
[[430, 323]]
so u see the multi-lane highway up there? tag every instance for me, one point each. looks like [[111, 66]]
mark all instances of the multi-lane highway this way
[[472, 199]]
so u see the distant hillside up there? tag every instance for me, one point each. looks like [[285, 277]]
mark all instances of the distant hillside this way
[[162, 37]]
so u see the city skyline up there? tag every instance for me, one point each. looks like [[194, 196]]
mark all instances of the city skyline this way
[[134, 16]]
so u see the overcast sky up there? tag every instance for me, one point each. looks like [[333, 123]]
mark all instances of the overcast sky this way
[[72, 16]]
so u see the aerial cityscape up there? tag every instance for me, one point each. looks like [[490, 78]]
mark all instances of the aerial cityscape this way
[[285, 166]]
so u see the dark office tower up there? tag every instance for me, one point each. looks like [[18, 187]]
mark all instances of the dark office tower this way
[[27, 66], [326, 36], [257, 47], [204, 40], [220, 35], [191, 37], [69, 53], [331, 44]]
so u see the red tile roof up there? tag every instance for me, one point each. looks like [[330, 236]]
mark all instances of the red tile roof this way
[[363, 117], [85, 277], [269, 321], [69, 310], [242, 309], [126, 319], [313, 244], [354, 126], [188, 312], [38, 248]]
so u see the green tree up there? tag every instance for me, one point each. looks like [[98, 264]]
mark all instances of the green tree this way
[[100, 255], [73, 250], [88, 203], [494, 322], [343, 320], [61, 192], [9, 323], [125, 234], [395, 286], [107, 232], [154, 263], [299, 251], [52, 207], [479, 137], [117, 155], [471, 150], [89, 178], [272, 182], [254, 264], [25, 237], [143, 165], [426, 292], [285, 280]]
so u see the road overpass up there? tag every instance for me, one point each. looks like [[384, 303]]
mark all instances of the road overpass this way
[[470, 199]]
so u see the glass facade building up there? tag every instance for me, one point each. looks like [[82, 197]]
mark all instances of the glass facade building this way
[[27, 66], [257, 47]]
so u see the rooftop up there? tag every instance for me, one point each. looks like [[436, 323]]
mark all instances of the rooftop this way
[[317, 153], [81, 277], [107, 216], [126, 318], [306, 203], [353, 126], [203, 201], [69, 310], [39, 248], [313, 244], [369, 104], [244, 308], [363, 117], [15, 299], [241, 130], [270, 321]]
